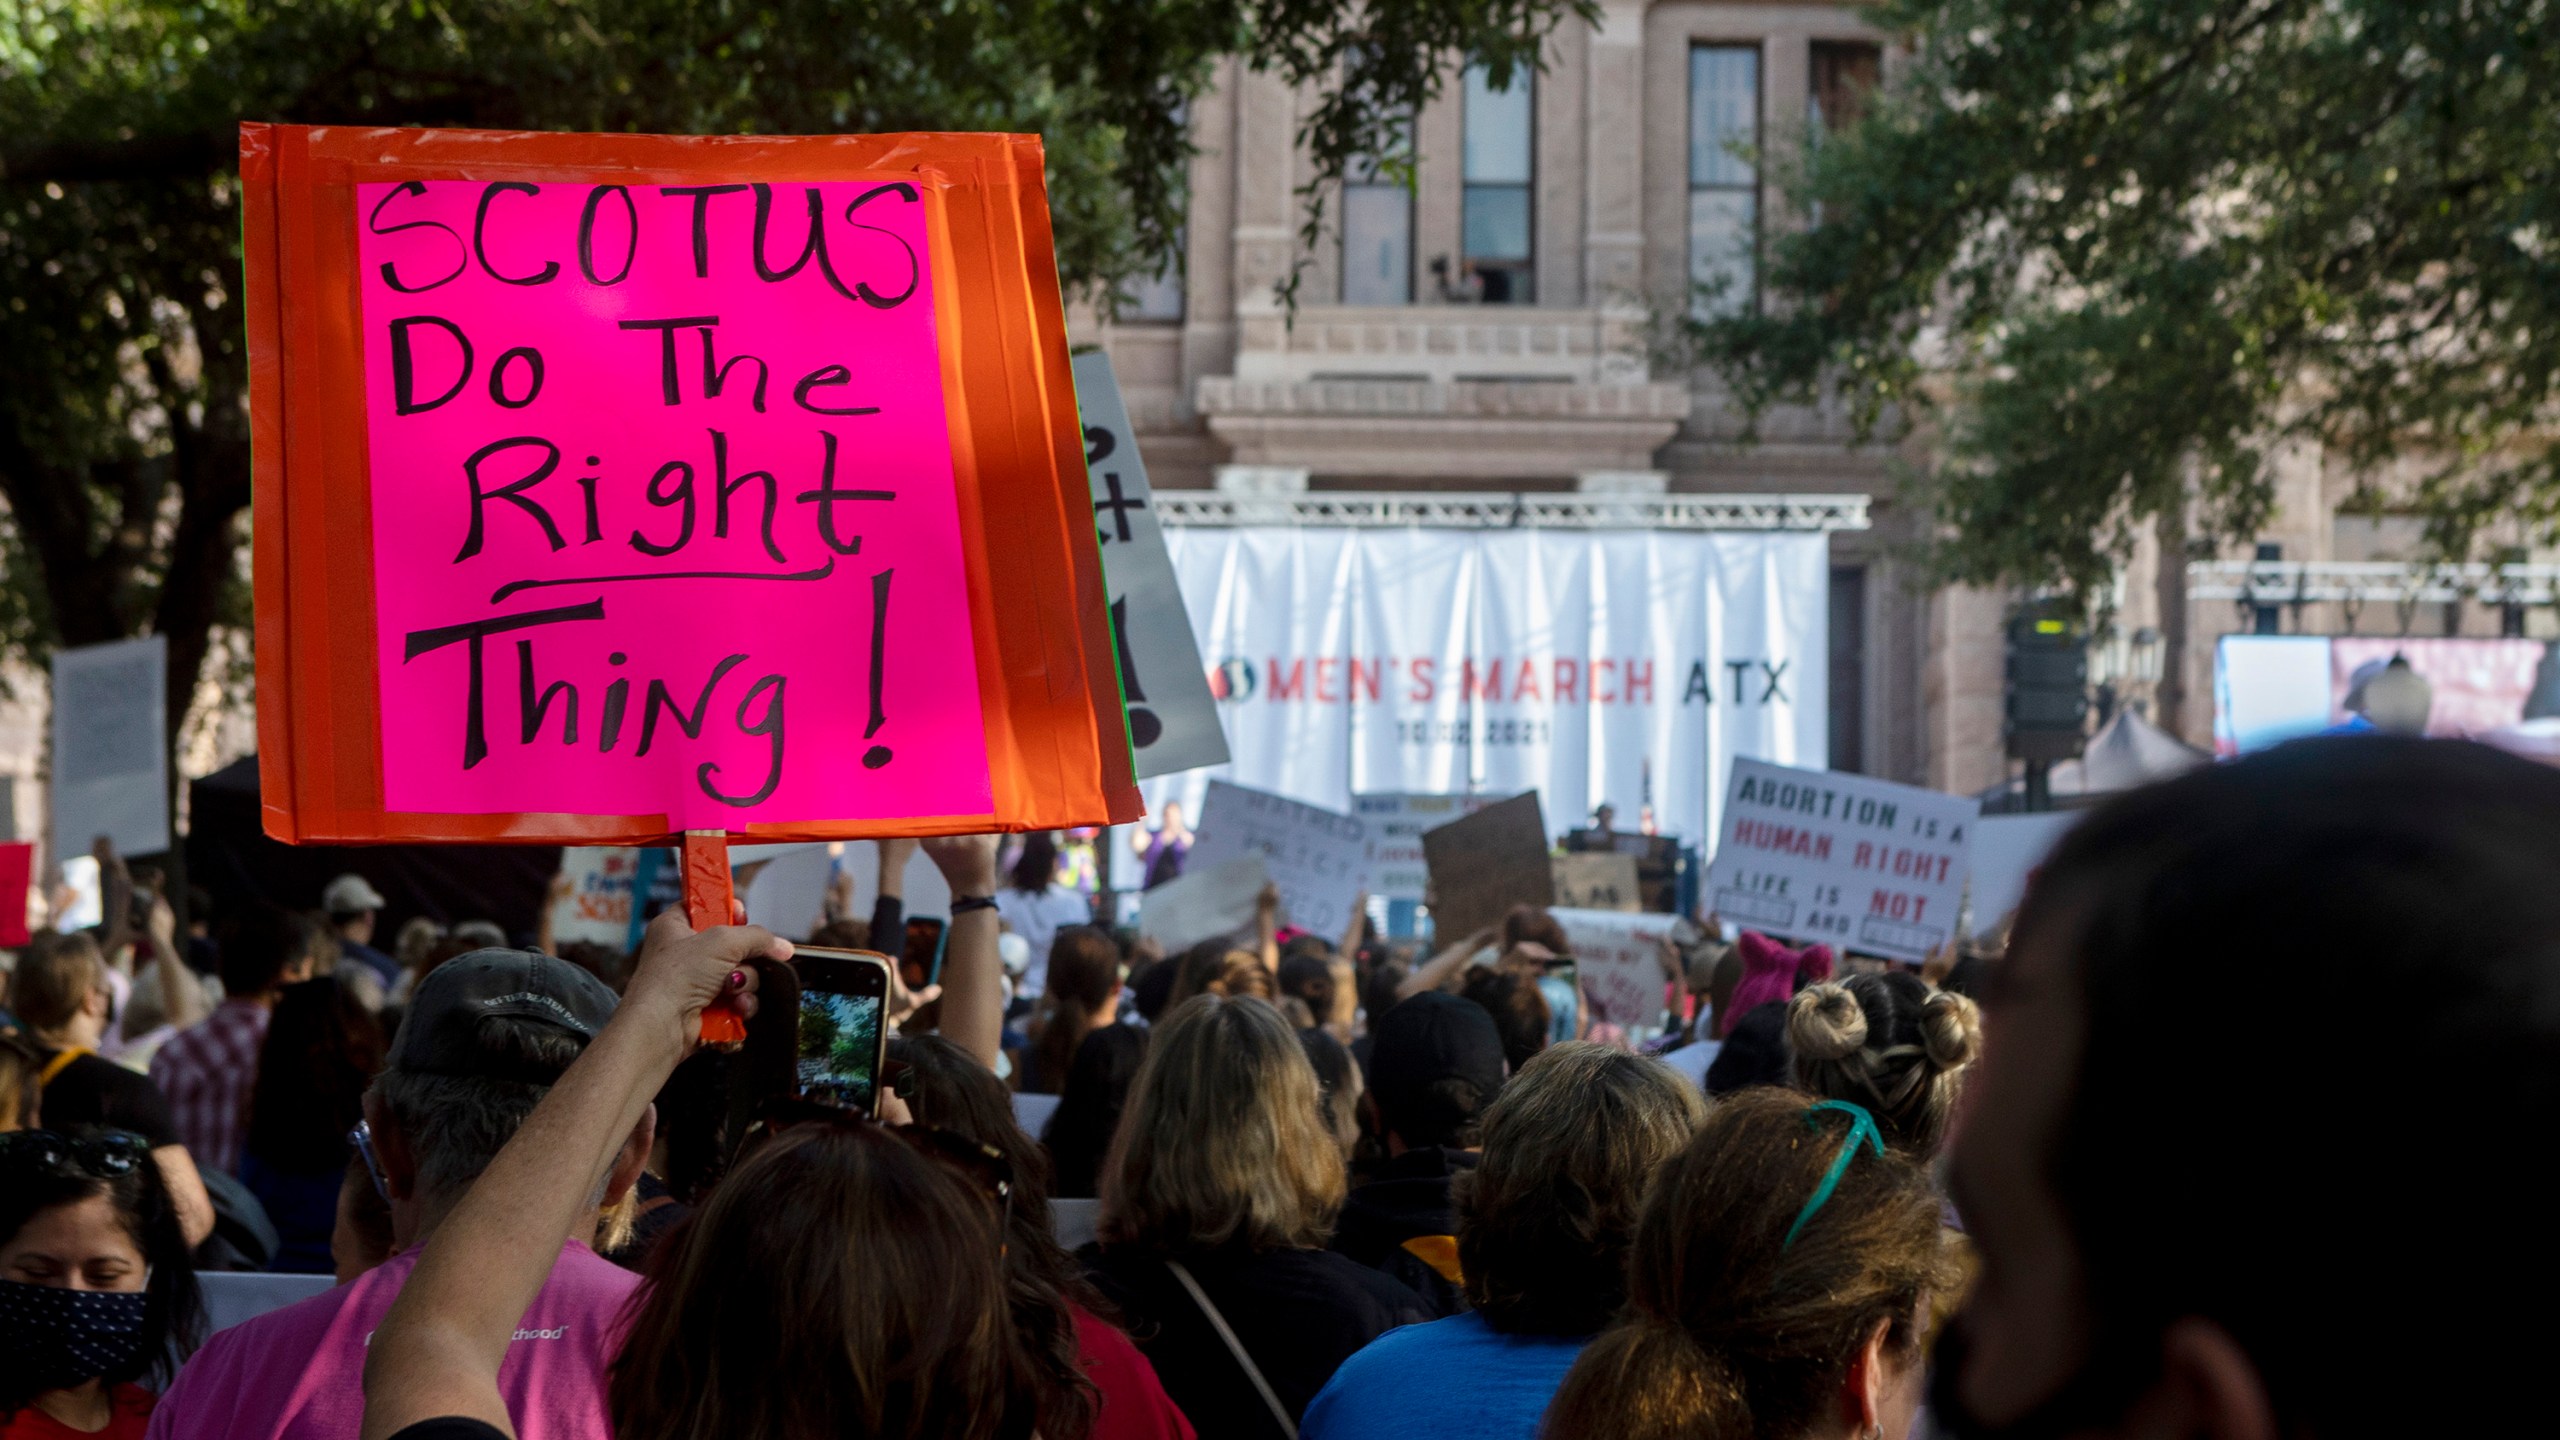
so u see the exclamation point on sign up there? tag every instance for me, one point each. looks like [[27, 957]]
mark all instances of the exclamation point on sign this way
[[878, 755], [1144, 727]]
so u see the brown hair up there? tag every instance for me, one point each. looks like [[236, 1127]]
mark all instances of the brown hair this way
[[54, 978], [1534, 925], [1223, 1141], [1545, 1219], [1084, 973], [837, 1283], [18, 1071], [1519, 1010], [1890, 1043], [1734, 1327]]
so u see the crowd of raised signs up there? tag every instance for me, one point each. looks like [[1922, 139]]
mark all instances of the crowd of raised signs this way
[[2231, 1137]]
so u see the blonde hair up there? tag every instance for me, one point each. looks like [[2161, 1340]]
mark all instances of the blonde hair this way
[[1223, 1141], [1890, 1043]]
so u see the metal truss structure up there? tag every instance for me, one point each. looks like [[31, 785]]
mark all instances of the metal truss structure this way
[[2317, 582], [1478, 511]]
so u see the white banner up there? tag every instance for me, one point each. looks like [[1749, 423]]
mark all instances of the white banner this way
[[1860, 864], [1621, 666], [1173, 724]]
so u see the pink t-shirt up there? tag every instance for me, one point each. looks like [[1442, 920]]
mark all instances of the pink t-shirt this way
[[298, 1373]]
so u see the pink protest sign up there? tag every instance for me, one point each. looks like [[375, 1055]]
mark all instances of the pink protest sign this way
[[664, 516]]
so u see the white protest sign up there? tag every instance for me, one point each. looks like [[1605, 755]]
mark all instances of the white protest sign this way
[[2006, 850], [1863, 864], [1318, 859], [591, 901], [110, 769], [1173, 723], [1204, 903], [1620, 957], [1397, 869]]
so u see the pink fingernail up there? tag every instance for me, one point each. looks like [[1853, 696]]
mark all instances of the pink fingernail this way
[[737, 979]]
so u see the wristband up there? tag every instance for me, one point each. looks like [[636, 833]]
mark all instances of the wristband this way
[[963, 904]]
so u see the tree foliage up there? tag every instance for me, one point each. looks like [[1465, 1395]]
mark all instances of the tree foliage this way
[[123, 423], [2117, 253]]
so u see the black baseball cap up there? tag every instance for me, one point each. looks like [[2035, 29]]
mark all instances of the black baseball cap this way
[[440, 1035], [1423, 1041]]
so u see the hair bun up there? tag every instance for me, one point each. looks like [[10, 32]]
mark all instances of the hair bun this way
[[1826, 1022], [1951, 1030]]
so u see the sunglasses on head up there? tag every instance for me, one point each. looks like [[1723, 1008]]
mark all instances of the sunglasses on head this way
[[98, 1154]]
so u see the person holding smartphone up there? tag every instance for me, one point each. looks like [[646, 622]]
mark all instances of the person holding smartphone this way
[[836, 1249]]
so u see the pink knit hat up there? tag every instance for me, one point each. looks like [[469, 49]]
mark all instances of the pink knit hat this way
[[1771, 971]]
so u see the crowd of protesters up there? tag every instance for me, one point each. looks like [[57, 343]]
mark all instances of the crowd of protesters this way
[[2113, 1178]]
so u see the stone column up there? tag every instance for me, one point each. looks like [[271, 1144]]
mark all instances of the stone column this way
[[1613, 137]]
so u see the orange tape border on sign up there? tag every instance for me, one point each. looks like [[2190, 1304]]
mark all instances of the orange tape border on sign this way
[[1057, 748]]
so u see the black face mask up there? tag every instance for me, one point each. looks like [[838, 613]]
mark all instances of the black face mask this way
[[2092, 1400], [57, 1337]]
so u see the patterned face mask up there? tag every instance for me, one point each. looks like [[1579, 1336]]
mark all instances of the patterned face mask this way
[[56, 1337]]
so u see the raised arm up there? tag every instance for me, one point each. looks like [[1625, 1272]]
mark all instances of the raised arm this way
[[438, 1351], [1435, 972], [972, 971]]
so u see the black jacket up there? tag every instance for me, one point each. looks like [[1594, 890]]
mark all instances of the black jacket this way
[[1406, 1199], [1299, 1314]]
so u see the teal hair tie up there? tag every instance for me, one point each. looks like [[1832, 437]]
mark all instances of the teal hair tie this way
[[1862, 1126]]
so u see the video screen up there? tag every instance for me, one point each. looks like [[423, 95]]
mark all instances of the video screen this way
[[839, 1047]]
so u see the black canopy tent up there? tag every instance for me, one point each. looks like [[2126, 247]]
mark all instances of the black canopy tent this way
[[231, 856]]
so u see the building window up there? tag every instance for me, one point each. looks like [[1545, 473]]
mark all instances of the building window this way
[[1724, 179], [1377, 236], [1844, 74], [1156, 297], [1501, 131], [1848, 718]]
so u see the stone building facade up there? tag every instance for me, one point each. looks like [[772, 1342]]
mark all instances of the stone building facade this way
[[1489, 328]]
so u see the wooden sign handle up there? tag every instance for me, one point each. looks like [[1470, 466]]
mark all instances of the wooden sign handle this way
[[709, 901]]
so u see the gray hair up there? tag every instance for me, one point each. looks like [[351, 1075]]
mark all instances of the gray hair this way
[[455, 1125]]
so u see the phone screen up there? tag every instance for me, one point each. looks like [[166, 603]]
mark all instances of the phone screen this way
[[841, 998]]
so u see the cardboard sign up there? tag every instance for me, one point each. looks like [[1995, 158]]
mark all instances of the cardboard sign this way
[[2007, 849], [1173, 721], [17, 871], [1859, 864], [614, 486], [591, 901], [1397, 869], [1620, 957], [110, 769], [1318, 859], [1203, 903], [1488, 862], [1597, 881]]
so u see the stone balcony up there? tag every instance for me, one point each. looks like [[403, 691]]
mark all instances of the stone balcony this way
[[1445, 391]]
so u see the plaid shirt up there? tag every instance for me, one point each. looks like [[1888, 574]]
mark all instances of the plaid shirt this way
[[206, 1072]]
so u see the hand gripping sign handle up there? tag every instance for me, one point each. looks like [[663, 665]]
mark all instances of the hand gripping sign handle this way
[[709, 901]]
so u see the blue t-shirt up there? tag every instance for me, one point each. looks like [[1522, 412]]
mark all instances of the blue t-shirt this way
[[1450, 1377]]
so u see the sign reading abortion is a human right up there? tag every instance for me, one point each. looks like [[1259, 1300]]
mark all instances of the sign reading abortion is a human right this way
[[1861, 864], [665, 496]]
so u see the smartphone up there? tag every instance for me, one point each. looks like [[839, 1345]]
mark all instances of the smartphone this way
[[842, 1039], [1563, 968], [922, 965]]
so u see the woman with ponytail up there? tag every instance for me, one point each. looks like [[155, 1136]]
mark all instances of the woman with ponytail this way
[[1776, 1286], [1890, 1043], [1083, 996]]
